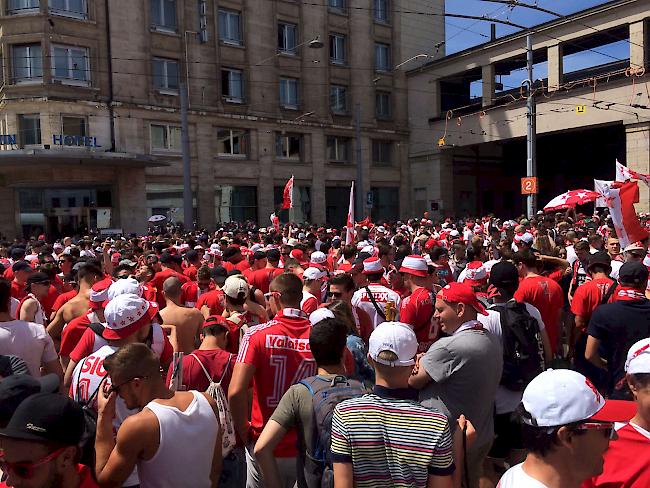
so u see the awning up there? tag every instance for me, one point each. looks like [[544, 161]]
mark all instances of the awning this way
[[81, 157]]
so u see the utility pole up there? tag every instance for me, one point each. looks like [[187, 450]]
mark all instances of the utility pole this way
[[358, 193], [531, 134], [188, 208]]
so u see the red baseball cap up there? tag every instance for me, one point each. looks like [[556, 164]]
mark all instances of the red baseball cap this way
[[461, 293]]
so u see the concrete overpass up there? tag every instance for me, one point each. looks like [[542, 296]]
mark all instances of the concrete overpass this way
[[467, 152]]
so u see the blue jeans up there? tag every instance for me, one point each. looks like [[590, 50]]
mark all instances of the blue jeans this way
[[233, 471]]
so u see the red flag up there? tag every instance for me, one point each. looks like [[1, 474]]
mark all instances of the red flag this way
[[349, 226], [365, 222], [620, 200], [287, 199]]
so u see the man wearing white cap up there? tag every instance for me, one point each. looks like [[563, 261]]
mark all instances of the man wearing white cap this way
[[567, 426], [370, 447], [627, 461], [311, 290], [417, 308], [373, 297]]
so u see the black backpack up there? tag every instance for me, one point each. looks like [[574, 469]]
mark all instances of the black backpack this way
[[523, 349], [326, 395], [87, 443]]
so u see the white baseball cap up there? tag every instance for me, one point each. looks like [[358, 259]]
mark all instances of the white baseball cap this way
[[318, 257], [235, 285], [560, 397], [414, 265], [372, 265], [320, 314], [124, 287], [396, 337], [638, 358], [126, 314], [313, 274]]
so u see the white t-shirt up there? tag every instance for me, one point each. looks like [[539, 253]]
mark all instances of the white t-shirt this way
[[506, 400], [13, 304], [516, 477], [381, 295], [86, 379], [616, 267], [28, 341]]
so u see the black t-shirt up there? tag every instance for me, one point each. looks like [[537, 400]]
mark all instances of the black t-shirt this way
[[618, 326]]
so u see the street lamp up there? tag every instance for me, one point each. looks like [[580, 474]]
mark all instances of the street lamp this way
[[314, 43]]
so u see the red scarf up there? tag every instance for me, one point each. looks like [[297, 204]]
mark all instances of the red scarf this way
[[628, 294]]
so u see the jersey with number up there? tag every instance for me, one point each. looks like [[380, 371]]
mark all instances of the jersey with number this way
[[87, 378], [417, 310], [279, 351], [381, 294]]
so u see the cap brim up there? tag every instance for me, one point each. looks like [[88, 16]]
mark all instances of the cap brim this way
[[476, 282], [615, 411], [478, 306], [20, 434], [414, 272], [117, 334]]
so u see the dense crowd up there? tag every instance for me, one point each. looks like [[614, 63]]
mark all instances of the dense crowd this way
[[475, 353]]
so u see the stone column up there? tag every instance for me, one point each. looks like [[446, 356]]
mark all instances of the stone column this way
[[265, 207], [638, 46], [318, 177], [203, 169], [487, 75], [637, 155], [131, 200], [555, 67]]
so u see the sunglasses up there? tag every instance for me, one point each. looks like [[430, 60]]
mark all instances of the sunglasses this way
[[123, 277], [116, 388], [271, 294], [26, 470], [336, 294], [606, 427]]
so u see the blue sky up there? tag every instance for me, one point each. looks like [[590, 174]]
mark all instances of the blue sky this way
[[462, 34]]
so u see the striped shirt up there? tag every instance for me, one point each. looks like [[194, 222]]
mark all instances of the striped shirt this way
[[391, 440]]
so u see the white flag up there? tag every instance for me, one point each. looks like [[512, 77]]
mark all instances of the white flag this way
[[602, 187], [349, 226]]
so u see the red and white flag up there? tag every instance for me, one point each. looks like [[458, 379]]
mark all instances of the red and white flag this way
[[623, 173], [275, 220], [620, 201], [287, 198], [349, 225]]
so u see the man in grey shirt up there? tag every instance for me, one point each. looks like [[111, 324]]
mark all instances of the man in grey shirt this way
[[460, 373]]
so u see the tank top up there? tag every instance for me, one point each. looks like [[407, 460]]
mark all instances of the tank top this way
[[39, 317], [187, 440]]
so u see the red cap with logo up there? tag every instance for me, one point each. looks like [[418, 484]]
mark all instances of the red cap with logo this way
[[461, 293]]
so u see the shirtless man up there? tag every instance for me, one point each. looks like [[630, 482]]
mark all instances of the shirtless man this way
[[88, 275], [182, 324]]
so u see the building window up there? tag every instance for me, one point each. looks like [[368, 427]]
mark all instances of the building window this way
[[385, 204], [301, 211], [381, 12], [339, 99], [15, 7], [230, 27], [165, 138], [74, 126], [337, 48], [382, 153], [27, 62], [382, 57], [235, 203], [232, 142], [29, 128], [289, 93], [232, 85], [287, 38], [70, 64], [382, 105], [163, 14], [337, 5], [72, 8], [338, 149], [288, 146], [165, 74]]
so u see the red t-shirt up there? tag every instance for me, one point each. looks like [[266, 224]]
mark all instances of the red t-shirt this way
[[191, 272], [8, 273], [240, 266], [18, 290], [627, 461], [547, 296], [72, 334], [190, 293], [309, 302], [262, 278], [279, 350], [159, 279], [49, 300], [63, 298], [214, 361], [214, 300], [416, 310], [589, 295]]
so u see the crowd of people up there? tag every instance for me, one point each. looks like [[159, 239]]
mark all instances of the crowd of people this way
[[477, 353]]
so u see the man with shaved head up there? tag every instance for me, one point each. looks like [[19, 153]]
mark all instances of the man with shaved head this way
[[181, 323]]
